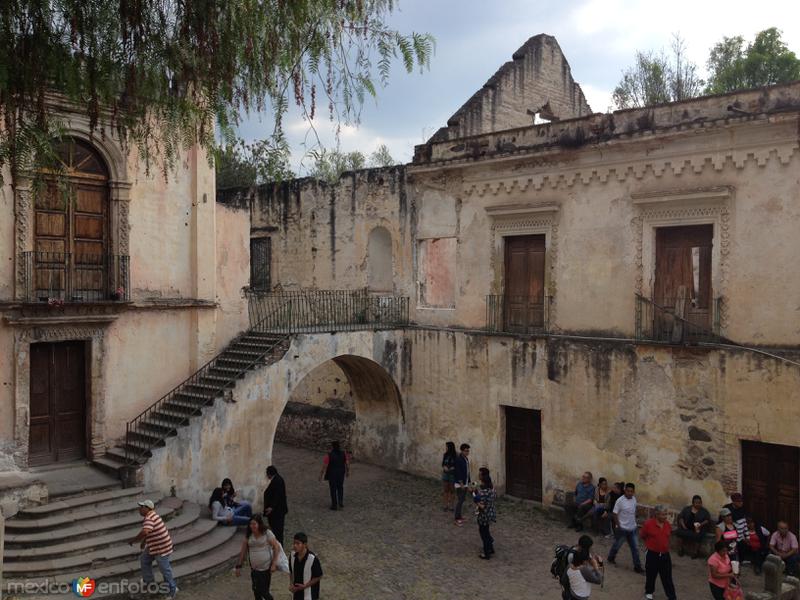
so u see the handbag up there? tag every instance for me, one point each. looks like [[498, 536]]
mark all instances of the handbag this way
[[734, 592], [283, 561]]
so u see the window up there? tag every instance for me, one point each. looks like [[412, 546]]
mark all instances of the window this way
[[261, 263], [379, 255]]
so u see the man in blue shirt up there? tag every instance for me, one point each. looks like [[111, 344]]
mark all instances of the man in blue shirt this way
[[584, 500]]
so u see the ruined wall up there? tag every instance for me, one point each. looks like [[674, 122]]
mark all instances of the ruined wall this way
[[233, 270], [321, 409], [670, 419], [538, 79]]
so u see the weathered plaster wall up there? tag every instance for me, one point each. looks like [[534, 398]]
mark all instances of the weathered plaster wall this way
[[6, 398], [670, 419], [233, 270], [538, 79]]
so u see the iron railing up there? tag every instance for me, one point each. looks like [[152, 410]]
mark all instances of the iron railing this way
[[678, 321], [279, 313], [326, 311], [148, 439], [66, 277], [517, 314]]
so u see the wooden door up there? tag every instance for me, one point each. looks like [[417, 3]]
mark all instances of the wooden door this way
[[683, 260], [524, 301], [771, 483], [71, 228], [524, 453], [58, 403]]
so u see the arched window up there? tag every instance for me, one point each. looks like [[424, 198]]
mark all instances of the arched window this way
[[379, 260], [71, 233]]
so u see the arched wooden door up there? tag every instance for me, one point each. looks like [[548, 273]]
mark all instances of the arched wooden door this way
[[71, 247]]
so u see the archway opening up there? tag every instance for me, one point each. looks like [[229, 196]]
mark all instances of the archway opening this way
[[350, 399]]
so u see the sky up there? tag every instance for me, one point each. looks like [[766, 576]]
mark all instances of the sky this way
[[474, 38]]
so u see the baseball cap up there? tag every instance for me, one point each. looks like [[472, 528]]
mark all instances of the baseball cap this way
[[725, 512], [148, 503], [736, 497]]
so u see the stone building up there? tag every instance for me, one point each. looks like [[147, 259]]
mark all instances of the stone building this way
[[612, 292]]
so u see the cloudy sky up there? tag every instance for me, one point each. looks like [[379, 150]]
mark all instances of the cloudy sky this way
[[598, 37]]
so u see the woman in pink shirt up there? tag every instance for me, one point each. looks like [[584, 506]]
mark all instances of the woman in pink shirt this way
[[720, 572]]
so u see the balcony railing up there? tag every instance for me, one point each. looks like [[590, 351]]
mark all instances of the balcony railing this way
[[517, 314], [65, 277], [329, 310], [677, 320]]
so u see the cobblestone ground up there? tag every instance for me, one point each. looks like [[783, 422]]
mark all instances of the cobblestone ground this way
[[393, 540]]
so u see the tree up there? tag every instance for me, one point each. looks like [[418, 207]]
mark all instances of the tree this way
[[656, 78], [330, 164], [381, 157], [766, 61], [161, 74], [241, 165]]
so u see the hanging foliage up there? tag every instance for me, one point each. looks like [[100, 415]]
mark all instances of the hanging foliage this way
[[161, 74]]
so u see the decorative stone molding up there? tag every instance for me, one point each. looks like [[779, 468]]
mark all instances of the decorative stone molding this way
[[547, 170], [525, 219], [94, 335], [683, 207], [23, 233]]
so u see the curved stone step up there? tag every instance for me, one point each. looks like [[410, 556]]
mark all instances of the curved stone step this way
[[90, 562], [75, 503], [189, 513], [81, 512], [190, 552], [91, 527]]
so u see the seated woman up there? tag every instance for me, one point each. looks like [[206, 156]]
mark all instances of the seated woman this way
[[692, 525], [226, 513], [755, 547], [601, 514]]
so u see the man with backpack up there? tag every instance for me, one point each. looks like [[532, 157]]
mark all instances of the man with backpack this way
[[564, 557]]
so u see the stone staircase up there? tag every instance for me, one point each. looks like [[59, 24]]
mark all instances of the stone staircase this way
[[250, 351], [87, 535]]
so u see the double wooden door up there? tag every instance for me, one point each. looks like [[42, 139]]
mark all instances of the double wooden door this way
[[524, 453], [524, 299], [771, 483], [58, 403]]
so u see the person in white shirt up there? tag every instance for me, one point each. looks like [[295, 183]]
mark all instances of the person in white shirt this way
[[582, 572], [624, 515]]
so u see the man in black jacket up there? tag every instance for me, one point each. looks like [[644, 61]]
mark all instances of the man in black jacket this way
[[462, 481], [275, 507]]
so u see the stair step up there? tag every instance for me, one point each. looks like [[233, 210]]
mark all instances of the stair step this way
[[107, 465], [241, 362], [158, 428], [210, 387], [99, 558], [236, 352], [139, 436], [105, 523], [79, 502], [221, 381], [208, 544], [83, 512], [208, 395], [190, 513], [186, 405], [228, 372]]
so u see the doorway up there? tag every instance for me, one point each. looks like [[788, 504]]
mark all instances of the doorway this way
[[58, 403], [771, 483], [524, 453], [524, 298]]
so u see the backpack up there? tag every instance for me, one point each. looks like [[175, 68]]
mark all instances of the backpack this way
[[558, 568]]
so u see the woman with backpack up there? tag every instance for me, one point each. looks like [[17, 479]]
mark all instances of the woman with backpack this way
[[263, 550], [449, 477], [485, 498], [583, 572]]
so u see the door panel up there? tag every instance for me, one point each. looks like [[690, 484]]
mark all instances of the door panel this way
[[771, 481], [524, 453], [58, 402], [524, 283]]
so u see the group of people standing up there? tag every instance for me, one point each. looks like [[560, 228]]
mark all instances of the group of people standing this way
[[458, 484], [739, 538], [263, 545]]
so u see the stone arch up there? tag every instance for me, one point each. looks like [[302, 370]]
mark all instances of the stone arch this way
[[380, 274]]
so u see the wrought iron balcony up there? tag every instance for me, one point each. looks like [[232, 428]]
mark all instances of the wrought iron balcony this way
[[56, 277], [326, 310], [678, 320], [517, 314]]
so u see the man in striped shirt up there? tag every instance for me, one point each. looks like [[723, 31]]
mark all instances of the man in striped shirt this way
[[156, 543]]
